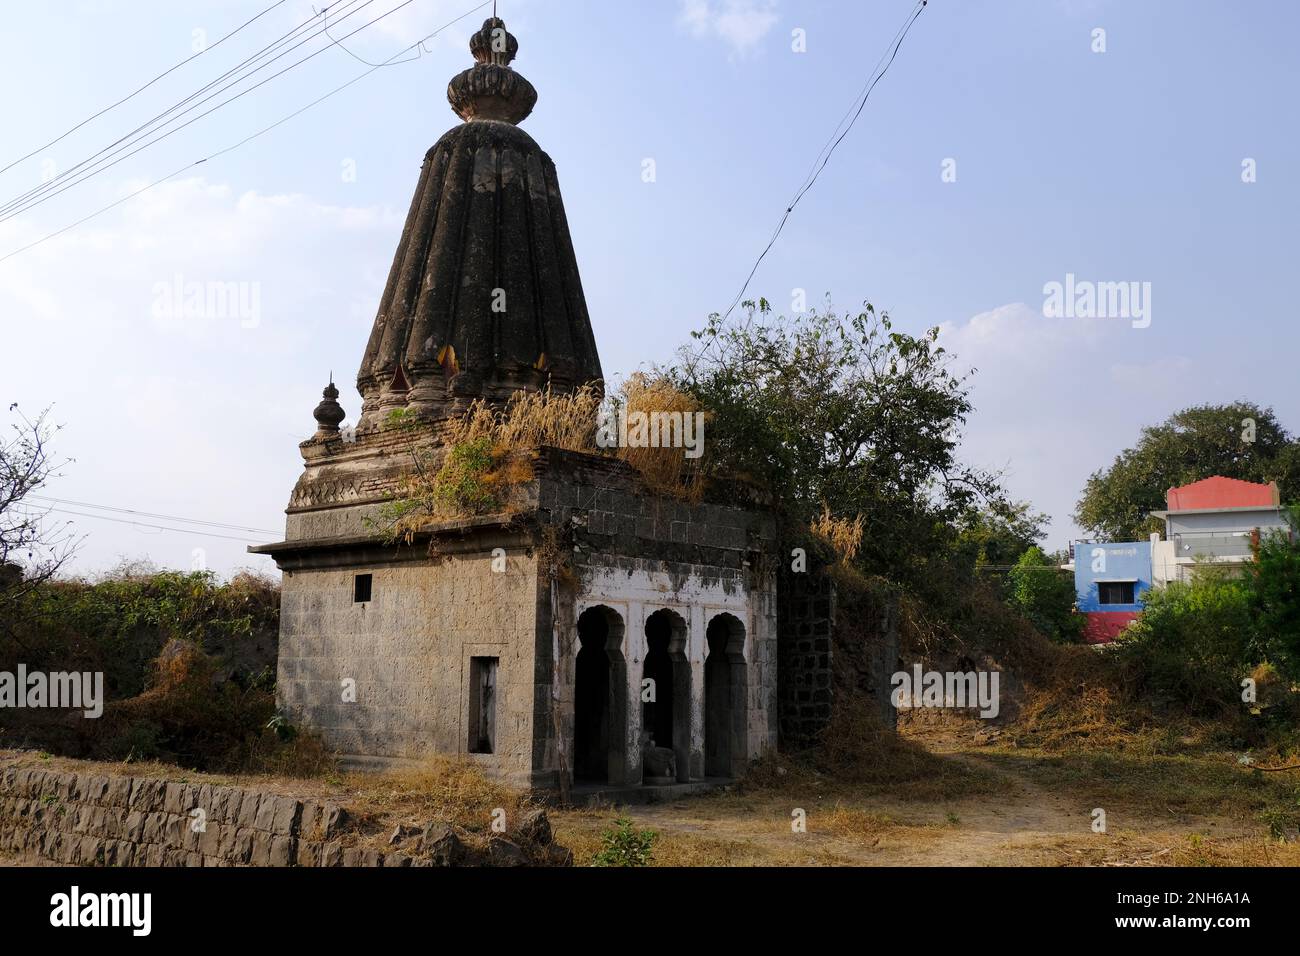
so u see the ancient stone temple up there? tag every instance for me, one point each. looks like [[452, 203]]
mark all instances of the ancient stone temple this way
[[652, 658]]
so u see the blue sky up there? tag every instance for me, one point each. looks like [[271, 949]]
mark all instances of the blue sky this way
[[1115, 166]]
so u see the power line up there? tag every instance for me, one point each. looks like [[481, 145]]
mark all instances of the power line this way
[[248, 139], [129, 96], [143, 129], [324, 14], [146, 514], [142, 524], [46, 191], [900, 37]]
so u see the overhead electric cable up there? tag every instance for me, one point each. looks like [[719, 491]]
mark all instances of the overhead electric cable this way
[[142, 524], [144, 129], [136, 93], [248, 139], [38, 195], [808, 184], [147, 514]]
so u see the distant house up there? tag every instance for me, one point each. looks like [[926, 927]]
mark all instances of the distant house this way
[[1109, 581], [1214, 521]]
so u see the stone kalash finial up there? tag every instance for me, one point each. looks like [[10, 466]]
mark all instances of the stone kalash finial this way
[[329, 413], [490, 89]]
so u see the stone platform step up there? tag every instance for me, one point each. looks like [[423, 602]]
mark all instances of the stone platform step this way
[[590, 794]]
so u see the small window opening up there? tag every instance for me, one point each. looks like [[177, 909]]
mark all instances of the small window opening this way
[[1115, 592], [482, 704], [361, 587]]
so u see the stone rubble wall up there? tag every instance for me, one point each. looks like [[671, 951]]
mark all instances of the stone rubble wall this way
[[99, 820]]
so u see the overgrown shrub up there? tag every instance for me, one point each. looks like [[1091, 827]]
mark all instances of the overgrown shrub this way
[[188, 664], [1194, 642], [1274, 581], [463, 484], [623, 846], [1045, 596], [118, 623], [479, 460]]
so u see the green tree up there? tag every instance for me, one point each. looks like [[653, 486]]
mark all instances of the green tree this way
[[1274, 579], [1195, 641], [1045, 595], [1239, 440], [1000, 532], [846, 413]]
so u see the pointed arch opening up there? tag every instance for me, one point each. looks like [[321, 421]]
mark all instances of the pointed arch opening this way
[[666, 719], [600, 699], [725, 698]]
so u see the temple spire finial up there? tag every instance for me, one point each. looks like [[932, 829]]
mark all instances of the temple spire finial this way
[[491, 89], [329, 413]]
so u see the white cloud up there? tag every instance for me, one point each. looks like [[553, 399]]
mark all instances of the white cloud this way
[[1053, 404], [197, 416], [741, 24]]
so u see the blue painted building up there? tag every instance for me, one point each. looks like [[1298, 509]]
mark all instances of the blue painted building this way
[[1109, 581]]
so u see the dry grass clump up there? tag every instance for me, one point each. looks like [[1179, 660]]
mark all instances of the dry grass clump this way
[[1257, 850], [483, 457], [665, 470], [841, 535], [532, 419], [852, 821], [441, 788]]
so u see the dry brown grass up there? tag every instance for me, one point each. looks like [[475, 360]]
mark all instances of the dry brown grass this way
[[482, 459], [532, 419], [853, 821], [1254, 850], [856, 754], [446, 789], [665, 470], [841, 535]]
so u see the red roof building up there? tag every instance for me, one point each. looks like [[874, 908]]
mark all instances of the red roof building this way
[[1220, 492]]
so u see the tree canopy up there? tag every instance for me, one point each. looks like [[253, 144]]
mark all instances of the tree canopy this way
[[845, 414], [1239, 440]]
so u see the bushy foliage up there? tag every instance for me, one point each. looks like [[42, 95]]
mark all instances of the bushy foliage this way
[[623, 846], [1275, 593], [188, 664], [1195, 641], [999, 533], [1045, 596], [845, 414], [120, 622], [462, 485]]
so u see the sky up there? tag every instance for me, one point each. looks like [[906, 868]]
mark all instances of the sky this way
[[1012, 143]]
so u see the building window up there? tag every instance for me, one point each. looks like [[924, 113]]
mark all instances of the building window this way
[[361, 587], [1115, 592], [482, 704]]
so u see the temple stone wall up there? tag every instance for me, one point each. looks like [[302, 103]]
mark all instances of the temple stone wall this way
[[408, 651], [805, 660], [637, 553]]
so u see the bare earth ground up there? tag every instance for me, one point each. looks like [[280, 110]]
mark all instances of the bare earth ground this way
[[1026, 812], [978, 804]]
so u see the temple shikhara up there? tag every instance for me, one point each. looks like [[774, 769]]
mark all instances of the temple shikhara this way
[[652, 660]]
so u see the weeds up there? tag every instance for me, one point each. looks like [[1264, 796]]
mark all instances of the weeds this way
[[623, 846]]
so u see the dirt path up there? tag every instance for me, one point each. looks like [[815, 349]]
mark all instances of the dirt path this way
[[1019, 823]]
